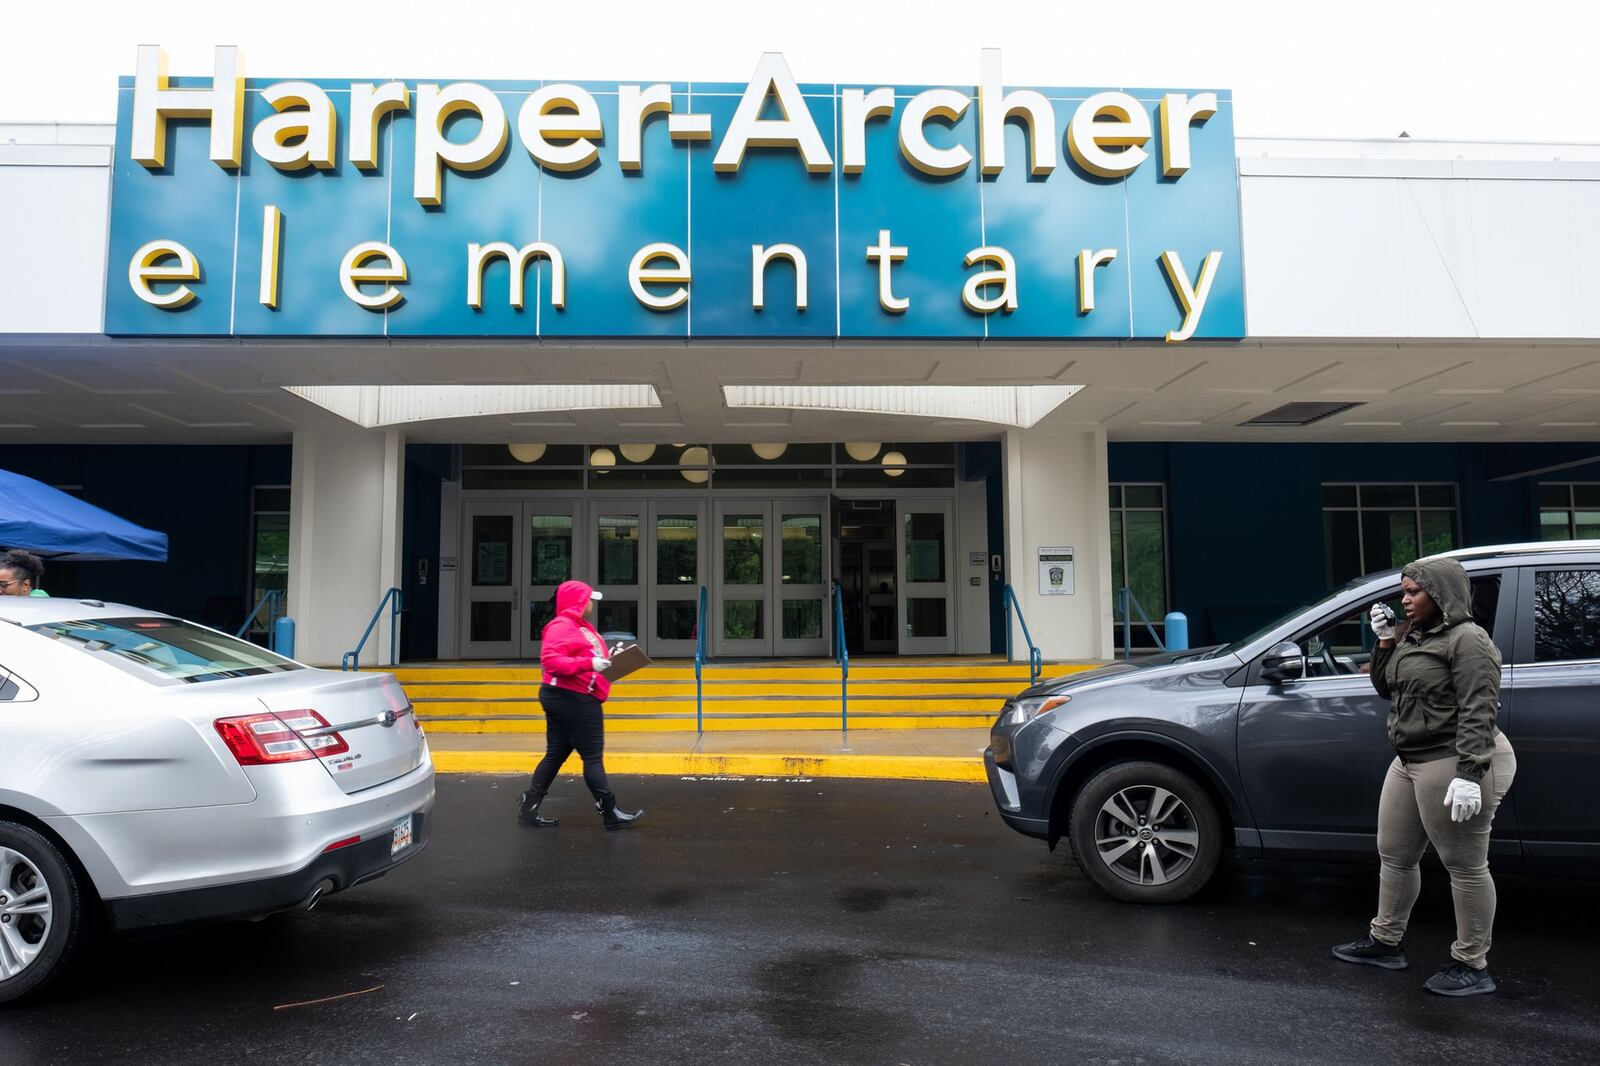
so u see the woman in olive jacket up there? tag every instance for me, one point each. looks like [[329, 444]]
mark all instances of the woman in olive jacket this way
[[1452, 769]]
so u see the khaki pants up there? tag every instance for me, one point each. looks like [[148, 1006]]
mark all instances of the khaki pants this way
[[1411, 813]]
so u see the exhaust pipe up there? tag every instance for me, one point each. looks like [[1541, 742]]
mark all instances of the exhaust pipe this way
[[323, 887]]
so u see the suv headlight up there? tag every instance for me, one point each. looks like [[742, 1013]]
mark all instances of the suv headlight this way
[[1024, 711]]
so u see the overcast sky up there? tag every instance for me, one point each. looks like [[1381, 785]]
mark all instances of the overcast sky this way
[[1355, 68]]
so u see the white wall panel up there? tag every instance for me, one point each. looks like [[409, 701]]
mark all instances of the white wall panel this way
[[53, 236]]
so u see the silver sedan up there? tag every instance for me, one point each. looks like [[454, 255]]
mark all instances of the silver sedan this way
[[165, 774]]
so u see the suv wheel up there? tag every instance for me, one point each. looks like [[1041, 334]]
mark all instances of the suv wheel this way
[[1145, 833], [41, 911]]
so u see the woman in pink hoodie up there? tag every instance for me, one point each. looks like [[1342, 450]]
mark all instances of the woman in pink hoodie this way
[[572, 656]]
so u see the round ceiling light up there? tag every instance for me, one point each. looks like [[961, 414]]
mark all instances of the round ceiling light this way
[[526, 453], [602, 457], [769, 451], [894, 464], [696, 456], [862, 452], [637, 453]]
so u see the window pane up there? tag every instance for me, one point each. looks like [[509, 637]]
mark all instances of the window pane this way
[[1142, 495], [271, 499], [675, 619], [875, 477], [1338, 495], [1438, 531], [802, 619], [741, 548], [924, 547], [1116, 495], [618, 618], [1586, 495], [489, 620], [551, 541], [1147, 562], [1555, 495], [1388, 496], [925, 616], [781, 454], [1390, 539], [522, 479], [491, 549], [1341, 544], [741, 619], [1118, 577], [1436, 495], [168, 648], [1566, 615], [677, 549], [775, 477], [618, 541], [1587, 524], [1555, 525], [802, 549], [501, 455], [271, 563]]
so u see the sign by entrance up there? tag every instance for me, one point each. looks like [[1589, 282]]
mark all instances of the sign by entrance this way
[[257, 207], [1056, 572]]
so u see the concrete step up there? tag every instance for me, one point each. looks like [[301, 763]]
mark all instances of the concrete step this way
[[456, 708], [753, 673]]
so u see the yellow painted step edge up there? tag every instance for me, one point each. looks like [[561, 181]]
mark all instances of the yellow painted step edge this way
[[884, 767]]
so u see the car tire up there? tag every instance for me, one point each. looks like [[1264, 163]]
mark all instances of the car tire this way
[[1128, 856], [27, 861]]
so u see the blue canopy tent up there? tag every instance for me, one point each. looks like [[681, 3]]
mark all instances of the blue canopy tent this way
[[53, 523]]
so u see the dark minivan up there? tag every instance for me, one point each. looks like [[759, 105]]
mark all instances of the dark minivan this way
[[1275, 745]]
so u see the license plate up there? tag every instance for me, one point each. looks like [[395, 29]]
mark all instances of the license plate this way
[[402, 836]]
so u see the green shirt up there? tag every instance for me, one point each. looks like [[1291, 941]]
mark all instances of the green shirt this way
[[39, 592]]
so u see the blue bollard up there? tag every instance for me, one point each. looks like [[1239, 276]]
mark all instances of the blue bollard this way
[[1177, 631], [283, 637]]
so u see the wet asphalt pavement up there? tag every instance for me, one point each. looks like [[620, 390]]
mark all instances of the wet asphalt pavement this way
[[821, 921]]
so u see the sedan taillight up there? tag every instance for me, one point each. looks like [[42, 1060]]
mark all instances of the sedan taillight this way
[[264, 739]]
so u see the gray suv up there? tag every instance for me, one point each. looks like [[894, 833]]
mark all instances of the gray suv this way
[[1275, 745]]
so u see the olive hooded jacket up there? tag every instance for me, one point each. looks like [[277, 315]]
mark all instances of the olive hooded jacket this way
[[1443, 682]]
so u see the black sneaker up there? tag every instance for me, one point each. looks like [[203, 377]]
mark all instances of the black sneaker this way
[[1370, 952], [1459, 980]]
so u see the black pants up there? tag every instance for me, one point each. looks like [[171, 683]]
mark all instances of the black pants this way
[[573, 721]]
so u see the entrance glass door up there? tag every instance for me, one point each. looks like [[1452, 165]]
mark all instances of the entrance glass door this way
[[927, 596], [676, 572], [771, 597], [549, 530], [741, 613], [802, 620], [616, 531], [492, 587]]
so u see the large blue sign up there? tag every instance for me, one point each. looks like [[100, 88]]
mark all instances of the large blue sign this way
[[770, 209]]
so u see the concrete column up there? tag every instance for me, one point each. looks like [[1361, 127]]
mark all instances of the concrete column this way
[[1057, 495], [346, 504]]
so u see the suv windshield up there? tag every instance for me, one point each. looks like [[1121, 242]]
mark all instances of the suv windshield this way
[[171, 648]]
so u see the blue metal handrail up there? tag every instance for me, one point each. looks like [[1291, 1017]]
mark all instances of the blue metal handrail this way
[[1127, 603], [699, 662], [841, 655], [394, 600], [1035, 656], [272, 600]]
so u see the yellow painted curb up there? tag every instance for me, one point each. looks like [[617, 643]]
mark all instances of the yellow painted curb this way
[[684, 764]]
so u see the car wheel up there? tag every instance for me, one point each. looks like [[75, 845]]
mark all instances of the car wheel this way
[[41, 911], [1145, 833]]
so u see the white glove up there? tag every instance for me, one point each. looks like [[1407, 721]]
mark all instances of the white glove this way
[[598, 664], [1381, 618], [1464, 798]]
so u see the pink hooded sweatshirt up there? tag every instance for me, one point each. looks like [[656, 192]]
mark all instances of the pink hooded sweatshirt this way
[[568, 643]]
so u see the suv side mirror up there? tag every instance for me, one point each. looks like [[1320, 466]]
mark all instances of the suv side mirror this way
[[1283, 663]]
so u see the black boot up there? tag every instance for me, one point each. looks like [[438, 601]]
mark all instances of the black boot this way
[[528, 811], [1371, 952], [614, 818]]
